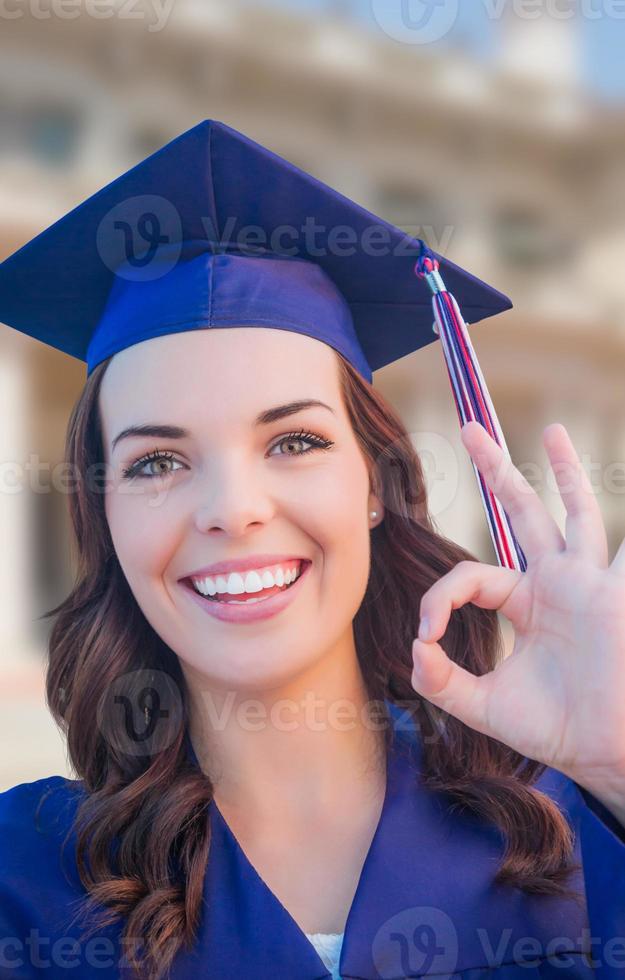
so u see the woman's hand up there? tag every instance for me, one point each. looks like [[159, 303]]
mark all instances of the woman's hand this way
[[559, 697]]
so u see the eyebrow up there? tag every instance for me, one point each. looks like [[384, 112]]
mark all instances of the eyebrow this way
[[177, 432]]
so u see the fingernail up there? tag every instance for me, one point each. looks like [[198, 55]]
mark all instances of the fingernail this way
[[424, 628]]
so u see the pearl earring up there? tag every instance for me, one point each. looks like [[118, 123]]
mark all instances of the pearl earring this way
[[373, 514]]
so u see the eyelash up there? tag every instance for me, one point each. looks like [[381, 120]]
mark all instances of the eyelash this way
[[318, 442]]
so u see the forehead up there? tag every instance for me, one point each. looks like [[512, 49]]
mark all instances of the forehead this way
[[220, 372]]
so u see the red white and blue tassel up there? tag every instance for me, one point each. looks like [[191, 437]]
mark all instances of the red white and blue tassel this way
[[472, 399]]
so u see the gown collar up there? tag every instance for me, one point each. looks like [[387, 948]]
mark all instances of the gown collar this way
[[425, 901]]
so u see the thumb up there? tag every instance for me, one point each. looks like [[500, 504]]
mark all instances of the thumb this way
[[449, 686]]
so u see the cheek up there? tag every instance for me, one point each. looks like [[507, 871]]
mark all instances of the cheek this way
[[143, 540], [335, 517], [338, 501]]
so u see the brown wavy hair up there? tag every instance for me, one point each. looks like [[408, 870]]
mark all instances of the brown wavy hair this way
[[153, 807]]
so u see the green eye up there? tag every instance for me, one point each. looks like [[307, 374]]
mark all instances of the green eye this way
[[157, 455], [293, 438], [314, 441]]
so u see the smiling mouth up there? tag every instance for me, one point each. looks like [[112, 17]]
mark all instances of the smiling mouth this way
[[228, 599]]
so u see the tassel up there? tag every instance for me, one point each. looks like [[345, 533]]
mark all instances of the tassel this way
[[473, 402]]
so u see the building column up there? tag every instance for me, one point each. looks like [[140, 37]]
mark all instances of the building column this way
[[16, 637]]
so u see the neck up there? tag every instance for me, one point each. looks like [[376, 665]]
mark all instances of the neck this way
[[295, 749]]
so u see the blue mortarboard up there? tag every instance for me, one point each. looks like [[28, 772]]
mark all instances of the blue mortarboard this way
[[215, 230]]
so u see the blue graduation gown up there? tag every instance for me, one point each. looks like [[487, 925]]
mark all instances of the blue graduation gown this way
[[425, 904]]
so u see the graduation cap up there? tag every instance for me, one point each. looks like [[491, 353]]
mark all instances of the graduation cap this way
[[215, 230]]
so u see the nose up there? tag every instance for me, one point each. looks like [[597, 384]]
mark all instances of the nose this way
[[232, 501]]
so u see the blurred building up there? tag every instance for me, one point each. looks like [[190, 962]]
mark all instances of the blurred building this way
[[509, 169]]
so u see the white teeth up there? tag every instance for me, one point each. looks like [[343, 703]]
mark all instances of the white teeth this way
[[235, 584], [253, 582], [248, 583]]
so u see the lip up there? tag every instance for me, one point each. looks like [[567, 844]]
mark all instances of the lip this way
[[253, 612], [242, 565]]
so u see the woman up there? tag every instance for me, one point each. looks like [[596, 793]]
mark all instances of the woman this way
[[298, 787]]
